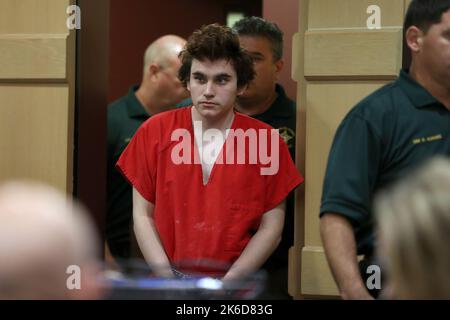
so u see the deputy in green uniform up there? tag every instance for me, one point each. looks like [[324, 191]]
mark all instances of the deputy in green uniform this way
[[382, 139], [159, 90]]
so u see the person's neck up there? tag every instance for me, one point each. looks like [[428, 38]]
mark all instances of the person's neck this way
[[223, 123], [253, 108], [146, 97], [438, 89]]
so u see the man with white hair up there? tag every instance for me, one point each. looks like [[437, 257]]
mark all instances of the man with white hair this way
[[44, 240], [159, 90]]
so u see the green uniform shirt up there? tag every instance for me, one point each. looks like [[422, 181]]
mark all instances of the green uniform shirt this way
[[382, 139], [124, 117], [282, 116]]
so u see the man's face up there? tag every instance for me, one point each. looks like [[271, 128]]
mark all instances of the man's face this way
[[169, 84], [213, 87], [434, 52], [263, 85]]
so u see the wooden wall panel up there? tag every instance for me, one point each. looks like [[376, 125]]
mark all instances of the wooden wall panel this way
[[33, 130], [328, 103], [33, 16], [316, 277], [349, 14], [37, 89], [33, 57], [357, 54]]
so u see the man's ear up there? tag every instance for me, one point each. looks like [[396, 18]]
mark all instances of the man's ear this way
[[153, 70], [279, 65], [242, 90], [188, 86], [414, 37]]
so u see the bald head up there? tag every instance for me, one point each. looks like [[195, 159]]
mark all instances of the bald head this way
[[42, 233], [163, 51], [160, 88]]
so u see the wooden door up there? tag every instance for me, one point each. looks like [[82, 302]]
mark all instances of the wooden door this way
[[37, 65]]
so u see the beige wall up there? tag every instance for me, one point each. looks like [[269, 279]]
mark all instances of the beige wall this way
[[337, 61], [37, 60]]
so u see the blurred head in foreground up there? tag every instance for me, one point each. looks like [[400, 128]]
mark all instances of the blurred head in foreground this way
[[47, 245], [414, 225]]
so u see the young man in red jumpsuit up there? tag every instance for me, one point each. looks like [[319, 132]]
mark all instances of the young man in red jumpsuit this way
[[209, 184]]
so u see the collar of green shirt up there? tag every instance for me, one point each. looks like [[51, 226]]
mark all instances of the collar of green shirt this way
[[418, 95], [280, 108], [135, 108]]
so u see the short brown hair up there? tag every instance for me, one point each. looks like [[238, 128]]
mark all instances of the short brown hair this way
[[215, 42]]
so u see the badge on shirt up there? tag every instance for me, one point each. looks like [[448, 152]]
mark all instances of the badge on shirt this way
[[427, 139], [287, 134]]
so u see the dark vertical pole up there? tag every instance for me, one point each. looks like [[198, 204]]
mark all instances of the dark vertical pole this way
[[91, 105]]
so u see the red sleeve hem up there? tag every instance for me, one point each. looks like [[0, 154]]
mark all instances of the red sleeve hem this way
[[282, 196], [132, 180]]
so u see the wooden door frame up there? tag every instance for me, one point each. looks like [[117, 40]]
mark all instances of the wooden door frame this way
[[89, 176]]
